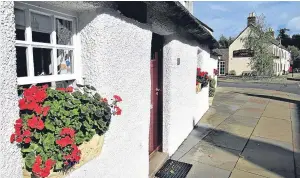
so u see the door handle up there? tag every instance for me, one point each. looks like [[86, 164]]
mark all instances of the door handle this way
[[156, 89]]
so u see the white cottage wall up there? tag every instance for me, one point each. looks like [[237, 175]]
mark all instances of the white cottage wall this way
[[180, 99], [10, 155], [116, 60]]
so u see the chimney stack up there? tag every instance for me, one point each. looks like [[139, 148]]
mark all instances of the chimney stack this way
[[251, 19]]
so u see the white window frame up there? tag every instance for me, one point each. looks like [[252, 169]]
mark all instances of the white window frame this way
[[29, 44]]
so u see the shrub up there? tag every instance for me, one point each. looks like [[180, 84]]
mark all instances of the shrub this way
[[232, 72], [212, 88], [53, 123]]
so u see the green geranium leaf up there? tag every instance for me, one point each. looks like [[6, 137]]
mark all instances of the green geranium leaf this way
[[48, 140], [30, 159], [58, 165], [49, 125], [79, 138]]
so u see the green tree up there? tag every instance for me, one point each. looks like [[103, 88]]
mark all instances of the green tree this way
[[295, 52], [258, 40], [225, 42], [284, 37]]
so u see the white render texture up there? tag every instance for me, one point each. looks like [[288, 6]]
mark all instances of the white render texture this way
[[10, 155], [116, 60], [179, 88], [202, 103]]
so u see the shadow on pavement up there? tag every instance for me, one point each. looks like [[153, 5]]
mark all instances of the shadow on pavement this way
[[261, 153]]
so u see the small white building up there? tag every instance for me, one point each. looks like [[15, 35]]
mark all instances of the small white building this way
[[138, 50]]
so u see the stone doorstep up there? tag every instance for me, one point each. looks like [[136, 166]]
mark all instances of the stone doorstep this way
[[157, 160]]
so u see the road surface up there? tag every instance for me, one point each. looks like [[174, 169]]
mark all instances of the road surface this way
[[290, 88]]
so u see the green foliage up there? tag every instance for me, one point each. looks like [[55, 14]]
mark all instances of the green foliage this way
[[295, 52], [232, 72], [259, 40], [212, 87], [84, 111], [225, 42]]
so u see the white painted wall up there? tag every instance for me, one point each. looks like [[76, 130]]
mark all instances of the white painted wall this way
[[10, 155], [180, 98], [116, 60], [179, 92]]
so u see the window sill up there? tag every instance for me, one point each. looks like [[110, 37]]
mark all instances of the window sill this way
[[45, 79]]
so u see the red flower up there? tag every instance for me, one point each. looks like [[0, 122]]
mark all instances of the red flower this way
[[38, 170], [61, 89], [27, 140], [38, 109], [117, 98], [69, 89], [63, 142], [19, 139], [26, 133], [104, 100], [67, 131], [46, 110], [22, 104], [35, 122], [12, 138], [118, 110]]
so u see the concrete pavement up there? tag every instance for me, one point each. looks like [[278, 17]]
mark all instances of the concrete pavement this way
[[246, 133]]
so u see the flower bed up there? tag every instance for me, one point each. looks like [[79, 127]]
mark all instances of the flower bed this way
[[54, 126]]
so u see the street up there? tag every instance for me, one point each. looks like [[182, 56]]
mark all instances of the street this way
[[289, 88]]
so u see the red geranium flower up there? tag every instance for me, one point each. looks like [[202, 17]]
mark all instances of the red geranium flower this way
[[27, 140], [67, 131], [69, 89], [63, 142], [117, 98], [22, 104], [46, 110], [118, 110], [104, 100], [12, 138], [35, 123]]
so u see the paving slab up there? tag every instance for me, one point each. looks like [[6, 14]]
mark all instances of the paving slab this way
[[204, 170], [226, 140], [276, 129], [236, 129], [214, 120], [277, 112], [226, 108], [254, 105], [249, 112], [267, 158], [212, 155], [242, 174], [241, 120]]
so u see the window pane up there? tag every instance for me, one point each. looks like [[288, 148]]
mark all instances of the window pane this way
[[63, 32], [21, 61], [42, 61], [64, 61], [41, 28], [20, 24]]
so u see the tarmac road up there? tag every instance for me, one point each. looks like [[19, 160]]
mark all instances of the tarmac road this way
[[289, 88]]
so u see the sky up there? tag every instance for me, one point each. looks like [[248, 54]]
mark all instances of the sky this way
[[230, 18]]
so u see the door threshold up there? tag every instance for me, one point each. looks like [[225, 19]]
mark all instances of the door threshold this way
[[157, 160]]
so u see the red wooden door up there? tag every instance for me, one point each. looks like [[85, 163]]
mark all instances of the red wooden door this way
[[154, 141]]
